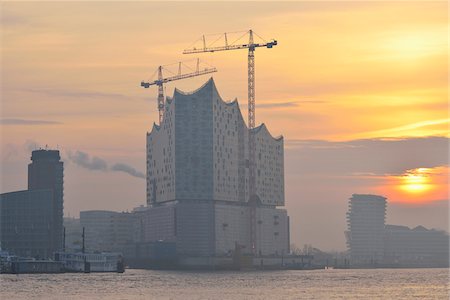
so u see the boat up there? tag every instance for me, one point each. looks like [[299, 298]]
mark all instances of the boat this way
[[64, 262], [12, 264], [35, 267], [91, 262], [82, 261]]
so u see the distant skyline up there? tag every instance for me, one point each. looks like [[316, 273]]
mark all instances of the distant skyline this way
[[358, 90]]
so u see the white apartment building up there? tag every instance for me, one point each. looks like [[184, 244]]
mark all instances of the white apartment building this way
[[366, 222]]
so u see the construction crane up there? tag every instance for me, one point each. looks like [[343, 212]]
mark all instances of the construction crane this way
[[162, 80], [251, 46]]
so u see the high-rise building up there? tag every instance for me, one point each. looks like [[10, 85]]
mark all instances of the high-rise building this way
[[366, 221], [31, 221], [46, 171], [197, 173]]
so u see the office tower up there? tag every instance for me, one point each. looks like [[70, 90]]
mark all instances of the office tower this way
[[46, 171], [31, 221]]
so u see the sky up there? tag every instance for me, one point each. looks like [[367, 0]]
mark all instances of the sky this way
[[359, 90]]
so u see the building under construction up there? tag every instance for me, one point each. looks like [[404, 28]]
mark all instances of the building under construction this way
[[198, 180]]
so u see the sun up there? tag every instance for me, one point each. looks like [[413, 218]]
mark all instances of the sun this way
[[419, 185], [416, 181]]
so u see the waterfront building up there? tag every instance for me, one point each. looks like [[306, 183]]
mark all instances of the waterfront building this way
[[31, 221], [73, 237], [418, 246], [197, 179], [365, 222], [97, 224], [371, 242], [46, 171], [26, 223], [107, 230]]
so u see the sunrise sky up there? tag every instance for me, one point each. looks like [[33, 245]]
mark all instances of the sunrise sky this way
[[359, 90]]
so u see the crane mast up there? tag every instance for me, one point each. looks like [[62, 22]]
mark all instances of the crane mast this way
[[251, 46], [251, 142], [162, 80], [160, 95]]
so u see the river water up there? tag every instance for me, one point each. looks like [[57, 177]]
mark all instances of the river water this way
[[316, 284]]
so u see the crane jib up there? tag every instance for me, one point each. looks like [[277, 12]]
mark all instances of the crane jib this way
[[177, 77], [230, 47], [161, 80]]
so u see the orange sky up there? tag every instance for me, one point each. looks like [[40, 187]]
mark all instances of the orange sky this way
[[417, 185], [341, 71]]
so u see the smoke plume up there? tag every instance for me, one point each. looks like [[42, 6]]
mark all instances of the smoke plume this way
[[120, 167], [84, 160], [95, 163]]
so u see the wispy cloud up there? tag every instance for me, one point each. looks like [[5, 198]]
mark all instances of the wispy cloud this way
[[30, 145], [11, 19], [278, 104], [275, 104], [27, 122], [401, 129], [72, 93], [8, 151], [365, 156]]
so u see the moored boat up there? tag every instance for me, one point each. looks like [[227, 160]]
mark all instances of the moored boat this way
[[12, 264], [91, 262]]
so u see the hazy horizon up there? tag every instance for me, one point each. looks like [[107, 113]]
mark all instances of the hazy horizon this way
[[358, 90]]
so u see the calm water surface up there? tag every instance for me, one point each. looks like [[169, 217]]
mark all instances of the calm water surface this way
[[317, 284]]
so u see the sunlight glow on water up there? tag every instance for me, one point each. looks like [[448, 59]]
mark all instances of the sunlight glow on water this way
[[146, 284]]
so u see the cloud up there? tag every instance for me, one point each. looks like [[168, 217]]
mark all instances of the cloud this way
[[26, 122], [365, 156], [285, 104], [31, 145], [11, 19], [278, 104], [73, 93], [95, 163], [120, 167], [400, 129], [8, 151], [84, 160]]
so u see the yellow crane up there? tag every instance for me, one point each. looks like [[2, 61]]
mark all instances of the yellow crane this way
[[251, 46], [162, 80]]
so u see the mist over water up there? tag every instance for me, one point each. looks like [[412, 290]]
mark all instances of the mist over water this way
[[146, 284]]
